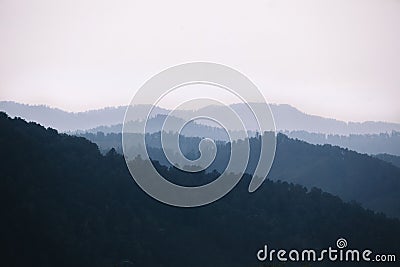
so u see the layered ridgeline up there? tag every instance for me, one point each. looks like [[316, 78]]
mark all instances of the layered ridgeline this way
[[383, 143], [366, 137], [287, 118], [65, 204], [374, 183]]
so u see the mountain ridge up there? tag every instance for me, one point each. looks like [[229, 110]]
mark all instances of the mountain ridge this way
[[286, 118]]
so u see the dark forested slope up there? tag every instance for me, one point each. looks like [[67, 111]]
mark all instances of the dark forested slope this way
[[350, 175], [64, 204]]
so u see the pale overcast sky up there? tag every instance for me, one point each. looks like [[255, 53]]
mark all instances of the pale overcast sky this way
[[336, 58]]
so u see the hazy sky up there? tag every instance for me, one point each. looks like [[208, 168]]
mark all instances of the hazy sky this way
[[336, 58]]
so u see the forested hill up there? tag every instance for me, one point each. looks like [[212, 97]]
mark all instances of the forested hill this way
[[64, 204], [350, 175]]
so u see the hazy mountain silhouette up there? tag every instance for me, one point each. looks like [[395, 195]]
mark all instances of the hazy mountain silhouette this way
[[70, 121], [156, 123], [289, 120], [65, 204], [286, 118], [371, 144]]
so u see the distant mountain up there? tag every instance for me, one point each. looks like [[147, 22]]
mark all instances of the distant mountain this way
[[71, 121], [287, 118], [367, 137], [372, 144], [156, 124], [65, 204]]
